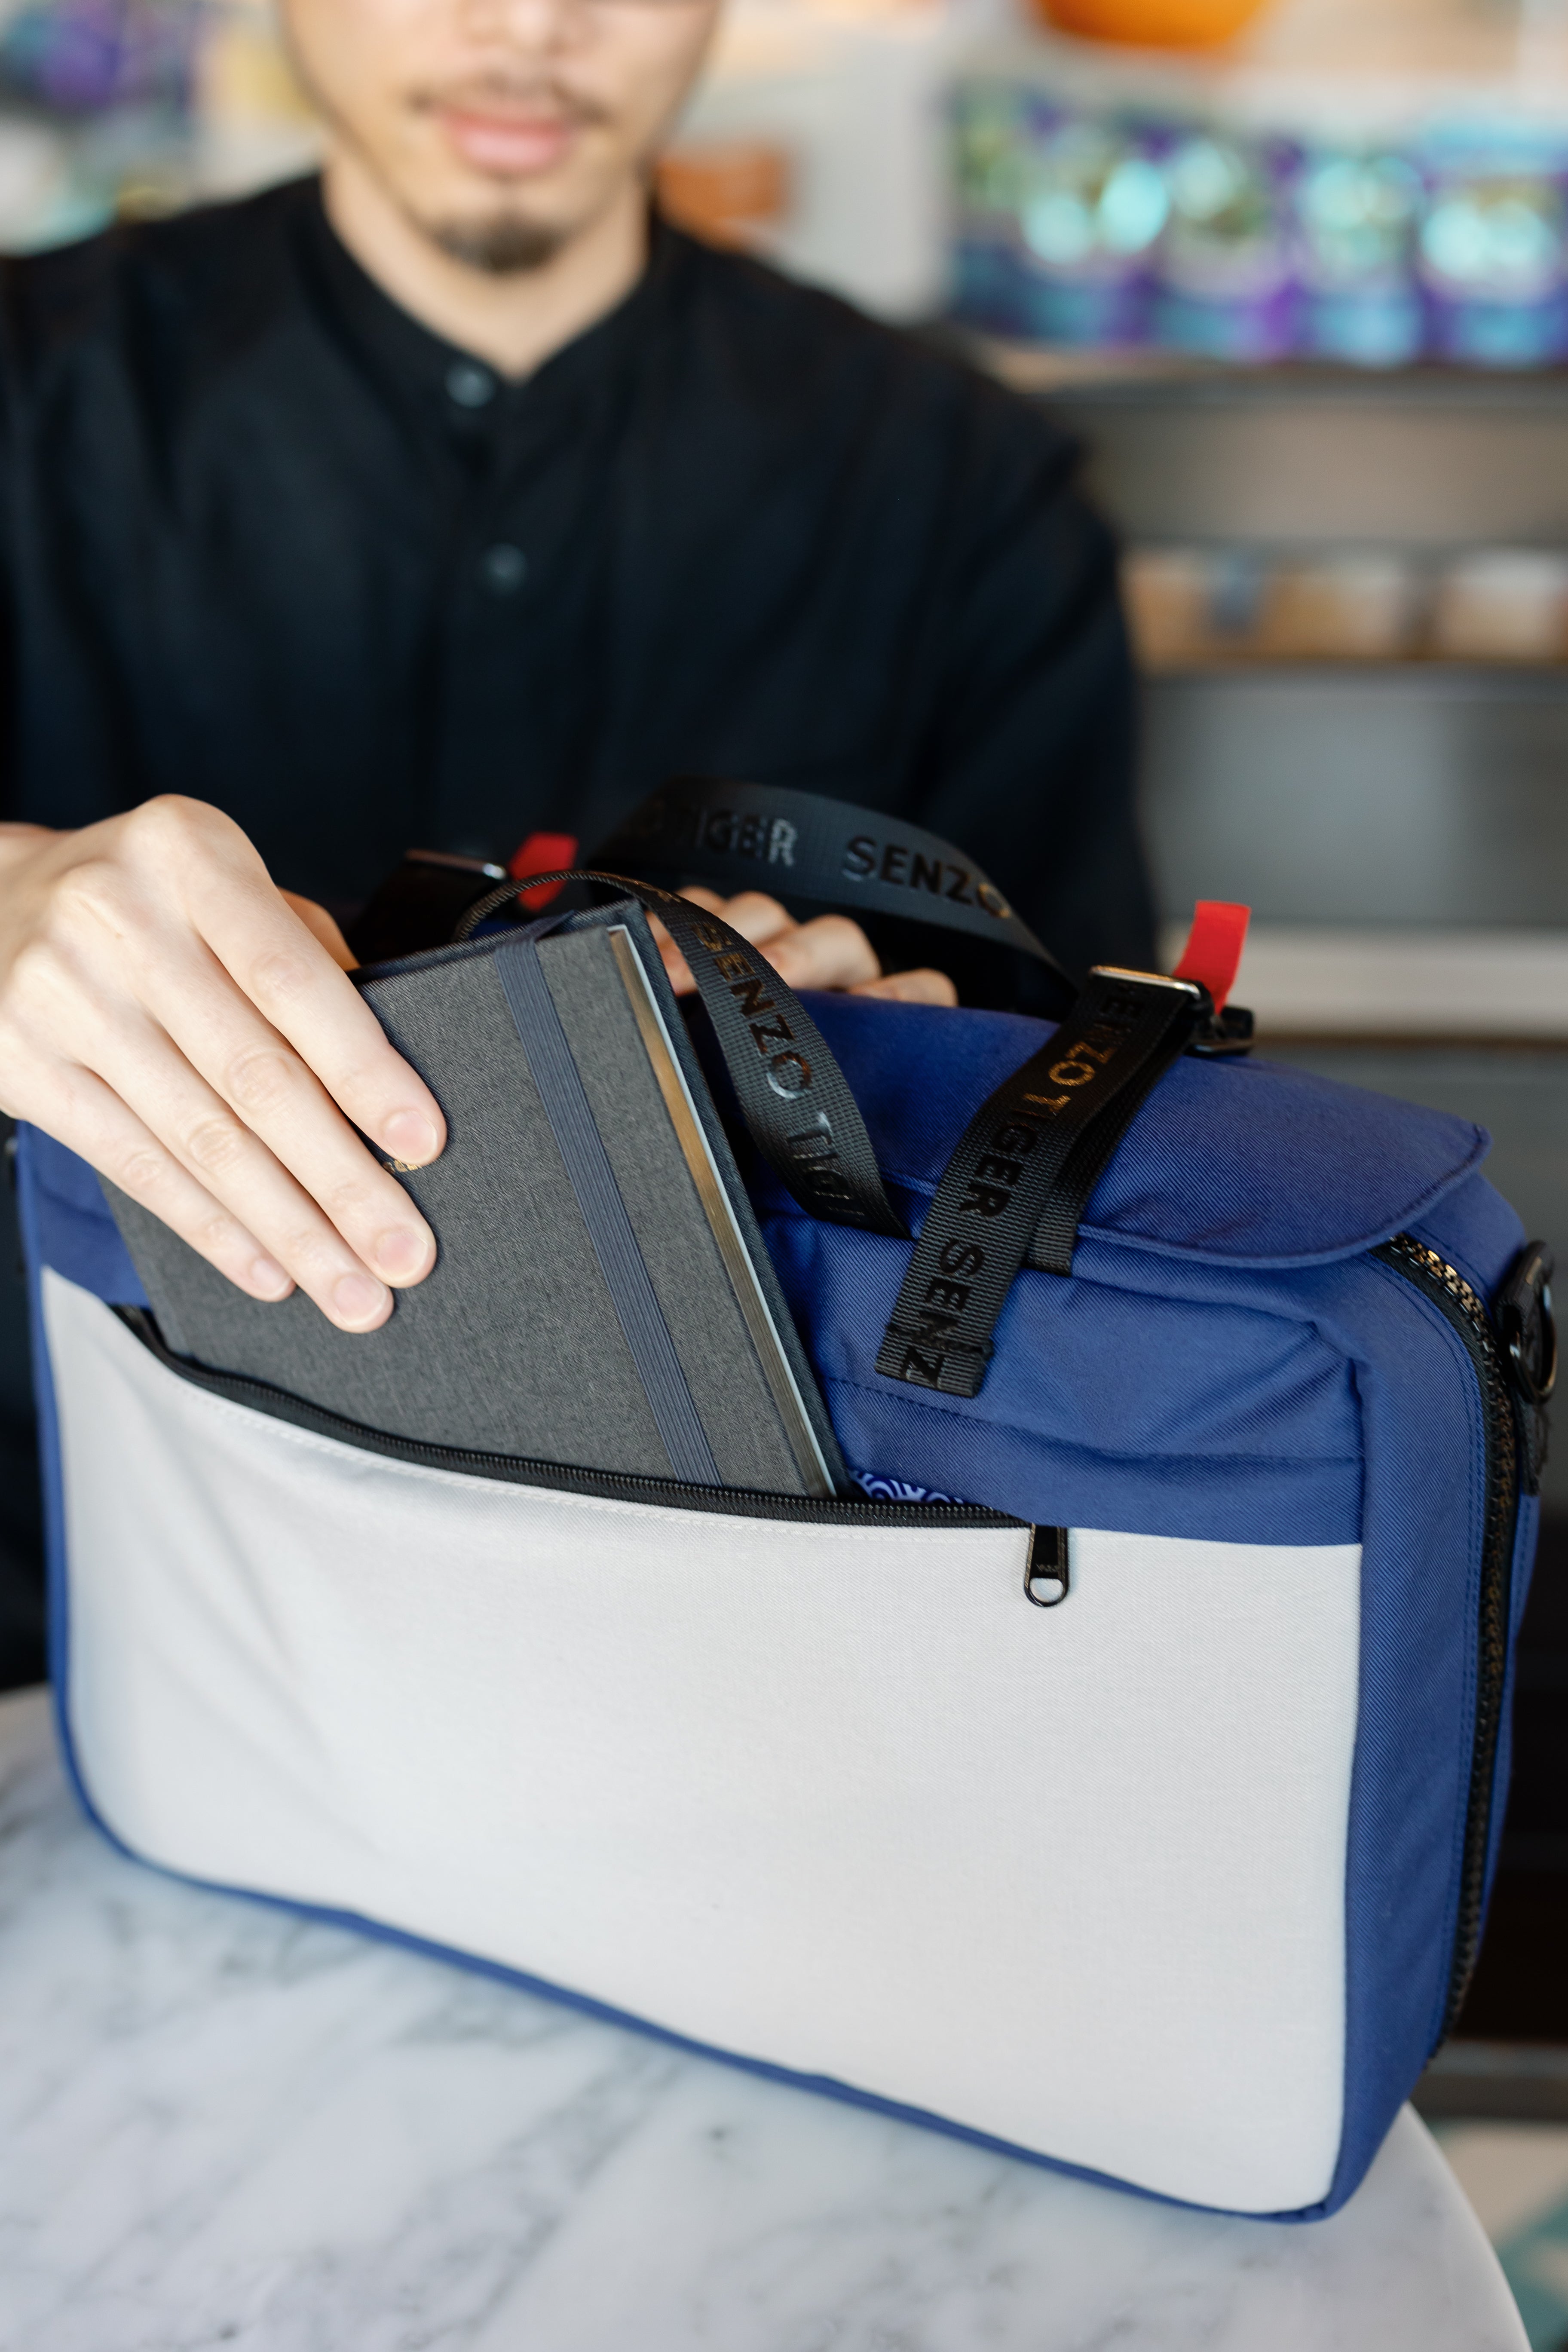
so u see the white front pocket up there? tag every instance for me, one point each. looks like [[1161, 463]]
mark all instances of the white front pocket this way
[[832, 1796]]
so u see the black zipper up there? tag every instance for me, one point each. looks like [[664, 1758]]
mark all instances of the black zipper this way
[[603, 1486], [1466, 1310]]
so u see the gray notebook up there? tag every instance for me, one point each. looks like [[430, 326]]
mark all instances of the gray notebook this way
[[602, 1295]]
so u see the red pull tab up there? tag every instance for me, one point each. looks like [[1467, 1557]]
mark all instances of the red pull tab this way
[[543, 852], [1212, 953]]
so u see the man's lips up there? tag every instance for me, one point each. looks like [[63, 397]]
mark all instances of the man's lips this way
[[513, 143]]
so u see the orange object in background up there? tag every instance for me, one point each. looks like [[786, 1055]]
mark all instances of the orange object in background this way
[[725, 192], [1152, 23]]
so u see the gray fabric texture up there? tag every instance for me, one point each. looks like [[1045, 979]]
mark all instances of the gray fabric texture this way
[[711, 1342], [632, 1293], [512, 1345]]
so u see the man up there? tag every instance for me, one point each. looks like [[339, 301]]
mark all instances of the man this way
[[446, 500]]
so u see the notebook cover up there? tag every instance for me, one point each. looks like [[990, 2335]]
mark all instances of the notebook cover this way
[[602, 1297]]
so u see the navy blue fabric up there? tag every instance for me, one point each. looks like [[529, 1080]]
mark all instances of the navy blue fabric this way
[[1227, 1361], [68, 1223], [1243, 1161], [1104, 1406]]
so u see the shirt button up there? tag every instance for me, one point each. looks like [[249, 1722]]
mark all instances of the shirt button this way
[[470, 386], [503, 569]]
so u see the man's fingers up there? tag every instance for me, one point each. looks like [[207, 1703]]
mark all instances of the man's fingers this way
[[757, 918], [293, 982], [292, 978], [163, 990], [322, 926], [194, 1126], [831, 953], [225, 893], [923, 987], [250, 1086], [121, 1147]]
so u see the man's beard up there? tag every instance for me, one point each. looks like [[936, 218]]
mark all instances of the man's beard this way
[[502, 246]]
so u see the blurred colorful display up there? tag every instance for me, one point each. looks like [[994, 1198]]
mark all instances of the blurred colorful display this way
[[96, 113], [1090, 227], [79, 58]]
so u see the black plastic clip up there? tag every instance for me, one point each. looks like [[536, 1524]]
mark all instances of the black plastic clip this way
[[1225, 1032]]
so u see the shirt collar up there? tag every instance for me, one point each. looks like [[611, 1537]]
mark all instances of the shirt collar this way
[[424, 367]]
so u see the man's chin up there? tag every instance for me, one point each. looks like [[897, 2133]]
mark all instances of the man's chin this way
[[499, 245]]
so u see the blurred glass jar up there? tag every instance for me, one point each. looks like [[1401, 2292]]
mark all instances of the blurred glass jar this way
[[1227, 280], [1494, 259], [1091, 202], [1195, 605], [732, 192], [1503, 604], [86, 57], [1191, 605], [1349, 607], [991, 123], [1357, 221]]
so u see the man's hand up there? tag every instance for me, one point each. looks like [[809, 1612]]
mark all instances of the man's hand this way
[[171, 1016], [831, 953]]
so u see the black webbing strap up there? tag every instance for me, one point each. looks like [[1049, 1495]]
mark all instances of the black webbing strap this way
[[799, 844], [793, 1097], [1024, 1170]]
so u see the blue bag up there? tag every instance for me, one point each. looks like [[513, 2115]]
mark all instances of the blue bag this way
[[1115, 1782]]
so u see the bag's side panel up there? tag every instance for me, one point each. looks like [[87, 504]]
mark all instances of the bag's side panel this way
[[836, 1799], [1477, 1230], [1425, 1510]]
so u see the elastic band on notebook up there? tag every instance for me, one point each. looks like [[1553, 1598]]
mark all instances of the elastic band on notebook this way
[[593, 1179]]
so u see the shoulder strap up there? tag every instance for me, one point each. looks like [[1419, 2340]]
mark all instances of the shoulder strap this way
[[763, 837], [793, 1097], [1024, 1167]]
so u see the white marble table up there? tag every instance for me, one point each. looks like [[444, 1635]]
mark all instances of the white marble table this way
[[221, 2125]]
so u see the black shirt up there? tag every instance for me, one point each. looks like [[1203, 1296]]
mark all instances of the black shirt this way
[[271, 543]]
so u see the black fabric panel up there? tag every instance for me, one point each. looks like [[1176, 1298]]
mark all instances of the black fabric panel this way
[[243, 532]]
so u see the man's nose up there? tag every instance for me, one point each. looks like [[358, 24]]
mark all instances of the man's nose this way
[[534, 26]]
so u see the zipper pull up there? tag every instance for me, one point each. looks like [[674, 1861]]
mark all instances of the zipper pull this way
[[1523, 1312], [1047, 1579]]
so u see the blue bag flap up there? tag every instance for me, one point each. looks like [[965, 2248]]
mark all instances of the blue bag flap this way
[[1241, 1163]]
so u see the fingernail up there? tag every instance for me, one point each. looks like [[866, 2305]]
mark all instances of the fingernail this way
[[358, 1297], [400, 1252], [410, 1137], [268, 1278]]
